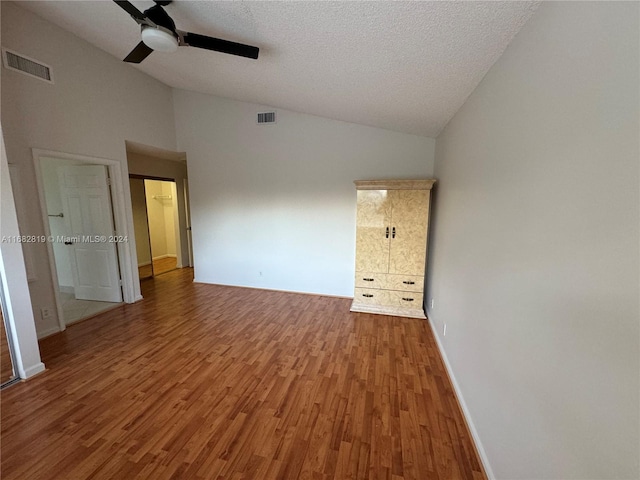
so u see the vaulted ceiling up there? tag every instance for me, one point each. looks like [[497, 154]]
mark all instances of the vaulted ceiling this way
[[404, 66]]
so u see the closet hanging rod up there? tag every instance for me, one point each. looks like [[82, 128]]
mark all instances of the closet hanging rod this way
[[161, 197]]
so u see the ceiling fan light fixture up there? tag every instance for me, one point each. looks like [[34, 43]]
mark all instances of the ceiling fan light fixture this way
[[159, 33], [159, 39]]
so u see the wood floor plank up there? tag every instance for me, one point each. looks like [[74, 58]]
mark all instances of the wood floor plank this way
[[212, 382]]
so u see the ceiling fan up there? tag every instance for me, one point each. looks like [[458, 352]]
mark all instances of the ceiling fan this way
[[159, 33]]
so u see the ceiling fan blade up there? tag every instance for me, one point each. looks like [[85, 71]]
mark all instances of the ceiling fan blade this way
[[133, 11], [219, 45], [138, 54]]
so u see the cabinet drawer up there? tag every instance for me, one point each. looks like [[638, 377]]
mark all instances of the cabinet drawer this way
[[370, 280], [372, 296], [404, 299], [407, 283]]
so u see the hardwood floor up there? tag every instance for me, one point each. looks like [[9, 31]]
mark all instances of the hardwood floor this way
[[211, 382], [162, 265]]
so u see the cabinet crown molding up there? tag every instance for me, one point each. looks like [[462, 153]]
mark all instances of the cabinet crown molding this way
[[422, 184]]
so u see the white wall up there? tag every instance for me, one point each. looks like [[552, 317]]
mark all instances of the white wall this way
[[534, 253], [169, 215], [155, 213], [161, 213], [96, 103], [279, 199]]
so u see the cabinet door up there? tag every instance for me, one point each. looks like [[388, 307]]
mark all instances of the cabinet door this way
[[373, 218], [409, 217]]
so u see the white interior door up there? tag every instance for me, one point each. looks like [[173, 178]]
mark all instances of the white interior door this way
[[87, 209]]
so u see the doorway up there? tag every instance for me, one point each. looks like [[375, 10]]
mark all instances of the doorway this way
[[86, 233], [156, 226]]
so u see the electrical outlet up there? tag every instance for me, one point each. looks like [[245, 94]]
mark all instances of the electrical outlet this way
[[432, 304], [444, 330], [45, 313]]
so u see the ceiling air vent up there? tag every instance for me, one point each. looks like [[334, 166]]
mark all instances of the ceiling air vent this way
[[19, 63], [267, 117]]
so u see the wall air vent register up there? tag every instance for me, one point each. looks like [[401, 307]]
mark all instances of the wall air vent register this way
[[267, 117], [27, 66]]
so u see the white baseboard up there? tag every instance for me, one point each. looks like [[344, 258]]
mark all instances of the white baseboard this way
[[48, 332], [168, 255], [32, 370], [465, 411], [197, 280]]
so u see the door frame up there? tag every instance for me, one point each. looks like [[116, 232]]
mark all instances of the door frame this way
[[187, 211], [118, 204], [8, 331], [180, 261]]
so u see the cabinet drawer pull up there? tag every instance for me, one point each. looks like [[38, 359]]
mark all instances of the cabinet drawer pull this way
[[387, 234], [393, 235], [368, 279], [409, 282], [368, 295], [407, 299]]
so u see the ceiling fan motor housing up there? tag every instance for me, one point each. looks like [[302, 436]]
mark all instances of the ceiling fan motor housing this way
[[159, 39], [158, 16]]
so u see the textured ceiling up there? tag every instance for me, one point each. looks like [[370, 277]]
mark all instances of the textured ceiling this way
[[404, 66]]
